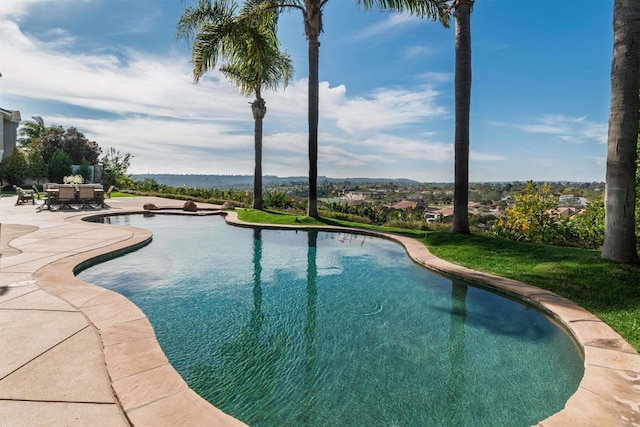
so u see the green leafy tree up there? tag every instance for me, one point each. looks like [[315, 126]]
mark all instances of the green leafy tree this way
[[71, 141], [59, 166], [85, 170], [312, 16], [589, 225], [14, 167], [462, 13], [37, 168], [78, 147], [49, 141], [620, 243], [533, 218], [247, 46], [114, 168], [30, 130]]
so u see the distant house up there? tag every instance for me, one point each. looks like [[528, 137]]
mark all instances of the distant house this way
[[9, 131], [568, 211], [404, 205]]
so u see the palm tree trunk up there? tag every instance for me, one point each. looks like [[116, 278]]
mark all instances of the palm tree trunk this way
[[314, 100], [462, 14], [257, 172], [259, 110], [619, 237], [313, 27]]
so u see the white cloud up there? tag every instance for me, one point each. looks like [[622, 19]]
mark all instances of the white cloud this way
[[392, 23], [575, 130], [412, 52], [484, 157], [435, 77], [383, 109], [16, 8]]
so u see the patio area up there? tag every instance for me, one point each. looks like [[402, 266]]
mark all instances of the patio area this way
[[75, 354]]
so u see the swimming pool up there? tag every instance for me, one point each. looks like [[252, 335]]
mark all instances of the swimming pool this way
[[295, 328]]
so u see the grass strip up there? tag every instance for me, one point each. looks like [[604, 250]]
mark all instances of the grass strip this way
[[610, 291]]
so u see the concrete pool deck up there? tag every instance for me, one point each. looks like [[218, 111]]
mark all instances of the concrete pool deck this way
[[73, 353]]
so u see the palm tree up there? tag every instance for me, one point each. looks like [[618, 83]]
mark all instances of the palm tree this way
[[462, 13], [246, 43], [619, 235], [312, 16], [31, 129]]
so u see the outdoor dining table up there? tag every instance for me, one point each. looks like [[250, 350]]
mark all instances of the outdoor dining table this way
[[53, 192]]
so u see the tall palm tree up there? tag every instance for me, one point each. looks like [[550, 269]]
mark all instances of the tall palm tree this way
[[30, 130], [312, 16], [462, 13], [247, 45], [619, 235]]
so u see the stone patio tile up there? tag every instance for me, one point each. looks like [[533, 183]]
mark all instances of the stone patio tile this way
[[37, 300], [565, 309], [599, 334], [26, 334], [8, 292], [99, 231], [59, 231], [133, 357], [600, 412], [106, 315], [76, 295], [569, 417], [127, 331], [66, 245], [147, 387], [106, 298], [182, 409], [8, 278], [30, 261], [48, 414], [622, 387], [72, 371], [613, 359]]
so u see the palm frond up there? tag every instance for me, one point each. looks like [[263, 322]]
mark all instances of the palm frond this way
[[431, 9], [244, 45]]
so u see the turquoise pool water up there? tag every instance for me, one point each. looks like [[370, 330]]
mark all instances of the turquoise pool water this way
[[286, 328]]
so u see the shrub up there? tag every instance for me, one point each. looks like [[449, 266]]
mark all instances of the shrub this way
[[14, 167], [533, 218], [277, 200]]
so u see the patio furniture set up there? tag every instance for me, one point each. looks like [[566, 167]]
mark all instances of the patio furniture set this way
[[66, 196]]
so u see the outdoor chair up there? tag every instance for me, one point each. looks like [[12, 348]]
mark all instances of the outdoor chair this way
[[108, 192], [86, 196], [36, 192], [24, 196], [66, 196]]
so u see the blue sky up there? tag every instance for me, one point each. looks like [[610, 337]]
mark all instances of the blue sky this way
[[113, 69]]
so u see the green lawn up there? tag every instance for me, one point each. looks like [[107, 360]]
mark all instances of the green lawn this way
[[608, 290]]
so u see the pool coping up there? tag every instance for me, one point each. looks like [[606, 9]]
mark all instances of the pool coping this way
[[148, 390]]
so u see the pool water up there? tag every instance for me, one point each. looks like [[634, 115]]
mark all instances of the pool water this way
[[294, 328]]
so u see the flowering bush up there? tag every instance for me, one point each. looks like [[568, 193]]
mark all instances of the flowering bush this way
[[73, 179]]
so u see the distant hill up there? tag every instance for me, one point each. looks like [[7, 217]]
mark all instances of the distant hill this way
[[246, 181]]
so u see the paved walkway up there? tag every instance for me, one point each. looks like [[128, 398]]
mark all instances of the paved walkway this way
[[74, 354]]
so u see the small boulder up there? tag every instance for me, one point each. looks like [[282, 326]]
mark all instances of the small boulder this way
[[190, 206], [149, 207], [228, 206]]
